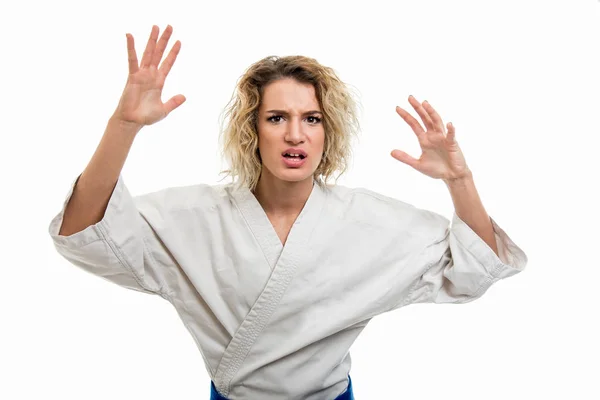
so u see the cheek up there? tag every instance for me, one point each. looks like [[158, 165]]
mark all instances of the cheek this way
[[320, 140], [263, 135], [266, 144]]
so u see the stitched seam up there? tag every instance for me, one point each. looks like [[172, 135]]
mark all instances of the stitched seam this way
[[162, 286], [472, 244], [486, 284], [249, 225], [117, 252], [369, 193], [413, 287], [489, 280], [409, 299], [68, 246], [271, 307], [490, 276], [257, 325], [225, 362]]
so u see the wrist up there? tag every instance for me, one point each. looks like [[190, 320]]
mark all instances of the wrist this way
[[460, 180], [123, 127]]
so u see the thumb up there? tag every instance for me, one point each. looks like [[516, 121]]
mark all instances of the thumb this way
[[174, 102], [405, 158], [451, 136]]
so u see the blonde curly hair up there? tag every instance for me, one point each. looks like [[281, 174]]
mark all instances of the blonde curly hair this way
[[239, 137]]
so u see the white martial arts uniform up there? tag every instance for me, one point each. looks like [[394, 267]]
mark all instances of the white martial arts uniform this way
[[276, 321]]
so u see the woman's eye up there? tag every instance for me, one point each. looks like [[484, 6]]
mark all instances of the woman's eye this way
[[277, 118]]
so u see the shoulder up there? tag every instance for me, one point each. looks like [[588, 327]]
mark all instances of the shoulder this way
[[196, 196], [375, 209]]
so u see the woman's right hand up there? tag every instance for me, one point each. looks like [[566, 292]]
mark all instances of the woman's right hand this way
[[141, 103]]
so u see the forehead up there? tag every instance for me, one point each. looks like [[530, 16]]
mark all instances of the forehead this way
[[289, 94]]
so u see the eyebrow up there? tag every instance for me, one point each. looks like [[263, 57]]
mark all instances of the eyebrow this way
[[286, 113]]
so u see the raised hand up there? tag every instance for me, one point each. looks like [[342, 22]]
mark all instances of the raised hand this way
[[141, 103], [441, 158]]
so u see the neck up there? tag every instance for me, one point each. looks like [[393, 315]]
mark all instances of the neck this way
[[281, 198]]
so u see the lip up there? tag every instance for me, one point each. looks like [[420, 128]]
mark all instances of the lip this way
[[292, 162], [293, 150]]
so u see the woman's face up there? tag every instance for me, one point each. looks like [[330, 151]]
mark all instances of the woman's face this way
[[290, 121]]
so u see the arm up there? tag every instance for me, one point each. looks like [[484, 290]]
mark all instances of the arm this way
[[443, 159], [469, 208], [95, 185], [99, 227], [475, 252], [420, 256], [140, 105]]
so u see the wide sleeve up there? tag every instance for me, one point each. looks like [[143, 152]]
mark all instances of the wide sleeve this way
[[459, 266], [115, 248]]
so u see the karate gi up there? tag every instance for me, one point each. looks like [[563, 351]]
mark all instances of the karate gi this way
[[276, 321]]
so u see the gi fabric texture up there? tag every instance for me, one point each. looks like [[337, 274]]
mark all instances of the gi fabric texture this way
[[276, 321]]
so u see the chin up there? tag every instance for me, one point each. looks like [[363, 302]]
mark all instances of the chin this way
[[286, 174], [294, 174]]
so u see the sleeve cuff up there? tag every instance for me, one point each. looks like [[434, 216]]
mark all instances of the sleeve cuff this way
[[92, 232], [511, 259]]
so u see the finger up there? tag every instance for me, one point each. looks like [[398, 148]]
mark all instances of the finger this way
[[131, 55], [451, 136], [149, 51], [421, 111], [405, 158], [167, 64], [161, 46], [411, 121], [435, 117], [174, 102]]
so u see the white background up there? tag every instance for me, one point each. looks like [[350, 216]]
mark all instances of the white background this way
[[519, 80]]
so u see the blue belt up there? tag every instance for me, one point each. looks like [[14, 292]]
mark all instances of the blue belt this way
[[347, 395]]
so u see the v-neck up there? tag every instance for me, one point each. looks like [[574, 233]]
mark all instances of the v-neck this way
[[283, 260], [262, 228]]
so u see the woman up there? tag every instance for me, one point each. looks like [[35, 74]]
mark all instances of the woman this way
[[276, 275]]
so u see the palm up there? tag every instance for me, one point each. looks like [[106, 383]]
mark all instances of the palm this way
[[441, 156], [141, 101]]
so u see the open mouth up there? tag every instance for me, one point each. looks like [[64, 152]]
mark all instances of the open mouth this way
[[293, 156]]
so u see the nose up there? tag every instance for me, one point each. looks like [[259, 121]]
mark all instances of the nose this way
[[295, 132]]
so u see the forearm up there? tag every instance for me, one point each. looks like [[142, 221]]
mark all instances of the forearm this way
[[92, 192], [469, 208]]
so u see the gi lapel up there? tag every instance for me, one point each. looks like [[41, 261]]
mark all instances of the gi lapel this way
[[284, 261], [259, 224]]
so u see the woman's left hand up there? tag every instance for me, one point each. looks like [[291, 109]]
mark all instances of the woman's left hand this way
[[441, 157]]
